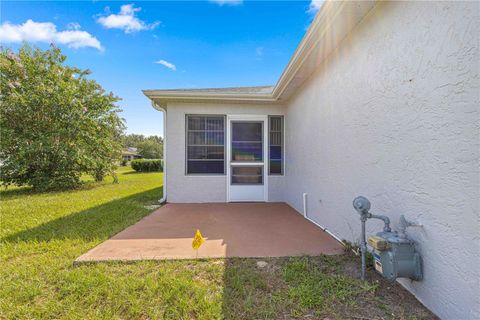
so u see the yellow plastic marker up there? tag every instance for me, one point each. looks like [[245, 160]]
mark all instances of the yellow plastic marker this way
[[197, 240]]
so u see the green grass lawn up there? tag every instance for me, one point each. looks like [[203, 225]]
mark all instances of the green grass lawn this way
[[42, 234]]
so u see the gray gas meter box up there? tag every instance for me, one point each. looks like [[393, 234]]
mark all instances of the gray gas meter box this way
[[395, 257], [393, 252]]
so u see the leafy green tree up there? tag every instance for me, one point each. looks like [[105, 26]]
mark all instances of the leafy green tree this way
[[55, 123], [133, 139], [150, 149]]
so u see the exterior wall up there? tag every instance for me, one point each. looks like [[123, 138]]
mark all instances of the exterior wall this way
[[205, 188], [393, 114]]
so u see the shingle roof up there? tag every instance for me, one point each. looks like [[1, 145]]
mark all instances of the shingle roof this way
[[233, 90]]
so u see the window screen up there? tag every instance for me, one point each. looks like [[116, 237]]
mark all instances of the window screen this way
[[251, 175], [247, 141], [205, 144], [275, 144]]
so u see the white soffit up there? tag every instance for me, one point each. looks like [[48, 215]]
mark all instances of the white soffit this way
[[331, 25]]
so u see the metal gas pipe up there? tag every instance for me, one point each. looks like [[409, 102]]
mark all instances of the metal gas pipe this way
[[362, 206]]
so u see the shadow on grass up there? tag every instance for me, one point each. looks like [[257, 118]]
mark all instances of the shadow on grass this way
[[18, 191], [100, 222], [285, 288], [7, 193], [140, 172]]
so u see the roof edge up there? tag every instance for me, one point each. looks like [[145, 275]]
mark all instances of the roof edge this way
[[342, 16], [308, 41]]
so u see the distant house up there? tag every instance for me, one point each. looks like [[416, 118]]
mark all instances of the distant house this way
[[130, 154]]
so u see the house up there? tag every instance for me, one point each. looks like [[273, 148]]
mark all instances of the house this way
[[130, 154], [380, 99]]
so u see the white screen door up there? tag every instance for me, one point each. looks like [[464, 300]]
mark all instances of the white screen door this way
[[246, 176]]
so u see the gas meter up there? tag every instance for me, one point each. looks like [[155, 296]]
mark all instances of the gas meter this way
[[394, 254], [395, 257]]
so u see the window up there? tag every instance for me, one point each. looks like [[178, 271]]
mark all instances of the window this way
[[275, 144], [205, 144]]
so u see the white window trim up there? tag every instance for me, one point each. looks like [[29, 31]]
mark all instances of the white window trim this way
[[186, 145], [251, 117], [283, 145]]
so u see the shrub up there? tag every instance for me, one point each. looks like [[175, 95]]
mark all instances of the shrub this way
[[124, 162], [55, 123], [147, 165]]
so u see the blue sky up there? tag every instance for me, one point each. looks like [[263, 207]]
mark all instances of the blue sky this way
[[130, 46]]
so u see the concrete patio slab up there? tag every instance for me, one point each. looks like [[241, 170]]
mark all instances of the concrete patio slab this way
[[230, 230]]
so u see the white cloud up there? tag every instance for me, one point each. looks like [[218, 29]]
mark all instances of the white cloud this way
[[32, 31], [259, 51], [73, 26], [167, 64], [314, 6], [126, 20], [227, 2]]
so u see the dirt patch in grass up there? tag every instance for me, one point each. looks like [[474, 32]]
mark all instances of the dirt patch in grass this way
[[324, 287]]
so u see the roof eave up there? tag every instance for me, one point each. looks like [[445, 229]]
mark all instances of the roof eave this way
[[161, 97], [331, 25]]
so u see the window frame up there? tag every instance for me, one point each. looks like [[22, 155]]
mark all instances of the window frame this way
[[282, 144], [186, 131]]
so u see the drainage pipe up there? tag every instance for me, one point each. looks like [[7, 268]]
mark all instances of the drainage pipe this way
[[164, 164], [305, 215]]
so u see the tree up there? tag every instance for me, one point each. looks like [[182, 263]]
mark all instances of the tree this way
[[55, 124], [150, 149], [132, 140]]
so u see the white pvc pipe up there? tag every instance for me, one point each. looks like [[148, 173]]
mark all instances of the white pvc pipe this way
[[305, 215], [305, 206], [164, 197]]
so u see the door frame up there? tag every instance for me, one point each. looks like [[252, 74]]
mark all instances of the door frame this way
[[247, 117]]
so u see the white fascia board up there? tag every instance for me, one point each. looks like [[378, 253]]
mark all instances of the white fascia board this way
[[162, 97], [160, 94]]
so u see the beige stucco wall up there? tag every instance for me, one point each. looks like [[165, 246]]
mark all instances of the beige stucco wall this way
[[206, 188], [393, 115]]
